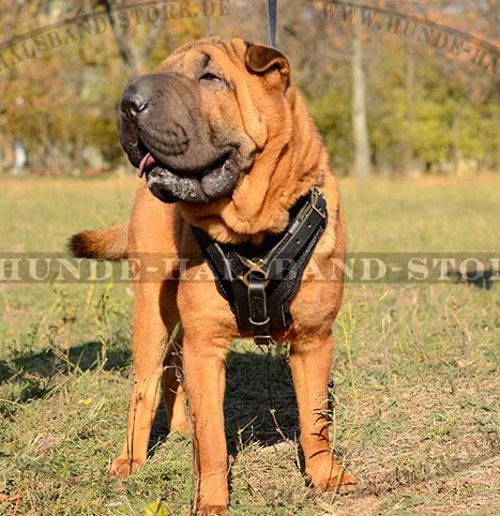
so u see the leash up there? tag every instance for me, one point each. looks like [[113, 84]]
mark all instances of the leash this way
[[272, 15]]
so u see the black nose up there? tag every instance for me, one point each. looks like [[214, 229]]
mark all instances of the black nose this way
[[135, 99]]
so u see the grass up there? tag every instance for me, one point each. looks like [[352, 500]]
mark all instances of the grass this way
[[415, 380]]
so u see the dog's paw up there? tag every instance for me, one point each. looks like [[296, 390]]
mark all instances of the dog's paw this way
[[212, 510], [122, 468], [342, 483]]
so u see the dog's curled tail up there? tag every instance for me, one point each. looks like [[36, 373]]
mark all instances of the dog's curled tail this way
[[101, 244]]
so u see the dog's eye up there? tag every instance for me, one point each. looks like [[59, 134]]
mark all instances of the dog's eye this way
[[211, 77]]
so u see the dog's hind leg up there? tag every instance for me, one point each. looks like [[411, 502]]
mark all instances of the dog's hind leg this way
[[151, 330], [173, 389], [310, 364]]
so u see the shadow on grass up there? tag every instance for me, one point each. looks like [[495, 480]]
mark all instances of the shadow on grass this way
[[49, 362], [260, 403], [36, 370], [259, 406]]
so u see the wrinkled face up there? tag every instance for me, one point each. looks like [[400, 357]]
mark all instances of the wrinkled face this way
[[184, 127]]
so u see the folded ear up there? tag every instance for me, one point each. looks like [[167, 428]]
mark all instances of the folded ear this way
[[262, 59]]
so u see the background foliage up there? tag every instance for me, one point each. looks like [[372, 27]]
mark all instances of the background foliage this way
[[425, 110]]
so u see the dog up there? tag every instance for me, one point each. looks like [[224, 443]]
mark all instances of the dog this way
[[223, 142]]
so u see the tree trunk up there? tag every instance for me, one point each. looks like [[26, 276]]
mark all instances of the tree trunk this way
[[20, 157], [408, 152], [134, 55], [362, 166]]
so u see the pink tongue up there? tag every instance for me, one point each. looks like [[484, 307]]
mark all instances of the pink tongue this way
[[146, 163]]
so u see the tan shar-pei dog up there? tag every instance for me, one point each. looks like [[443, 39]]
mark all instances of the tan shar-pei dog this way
[[224, 143]]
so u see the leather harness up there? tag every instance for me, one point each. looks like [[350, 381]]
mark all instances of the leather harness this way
[[260, 281]]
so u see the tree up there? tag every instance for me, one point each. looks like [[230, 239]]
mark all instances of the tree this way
[[362, 165]]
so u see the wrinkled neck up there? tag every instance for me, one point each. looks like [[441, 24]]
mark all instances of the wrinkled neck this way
[[291, 163]]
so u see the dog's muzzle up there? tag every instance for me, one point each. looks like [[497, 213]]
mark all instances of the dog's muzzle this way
[[167, 137]]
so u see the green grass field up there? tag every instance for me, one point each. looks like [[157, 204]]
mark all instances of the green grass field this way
[[415, 374]]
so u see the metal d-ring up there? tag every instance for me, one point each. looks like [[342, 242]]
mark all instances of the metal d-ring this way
[[259, 323]]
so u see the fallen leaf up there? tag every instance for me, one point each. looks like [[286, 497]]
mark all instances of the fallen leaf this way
[[155, 509]]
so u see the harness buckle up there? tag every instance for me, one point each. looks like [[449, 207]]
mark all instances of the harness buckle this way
[[315, 195], [263, 340], [254, 268]]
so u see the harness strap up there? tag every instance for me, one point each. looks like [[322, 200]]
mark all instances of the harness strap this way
[[259, 282]]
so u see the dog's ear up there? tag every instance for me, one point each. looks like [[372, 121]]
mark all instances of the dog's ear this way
[[261, 59]]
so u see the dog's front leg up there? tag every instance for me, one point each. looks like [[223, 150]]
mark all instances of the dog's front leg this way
[[310, 364], [204, 370], [149, 347]]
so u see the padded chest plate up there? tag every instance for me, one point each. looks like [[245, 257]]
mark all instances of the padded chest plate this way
[[259, 282]]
